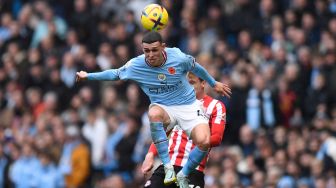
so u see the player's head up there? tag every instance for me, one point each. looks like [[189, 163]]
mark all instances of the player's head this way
[[198, 84], [152, 47]]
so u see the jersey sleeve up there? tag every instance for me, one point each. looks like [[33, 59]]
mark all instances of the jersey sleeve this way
[[188, 61], [111, 74], [123, 73], [189, 64], [202, 73], [217, 124]]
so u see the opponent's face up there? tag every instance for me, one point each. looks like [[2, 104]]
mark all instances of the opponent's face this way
[[153, 53], [197, 83]]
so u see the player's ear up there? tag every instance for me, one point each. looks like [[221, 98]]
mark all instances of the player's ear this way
[[163, 45], [203, 83]]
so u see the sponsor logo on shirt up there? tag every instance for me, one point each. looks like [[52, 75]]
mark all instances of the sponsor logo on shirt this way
[[165, 88]]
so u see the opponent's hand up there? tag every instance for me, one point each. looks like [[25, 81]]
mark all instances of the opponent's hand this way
[[222, 89], [148, 164], [80, 76]]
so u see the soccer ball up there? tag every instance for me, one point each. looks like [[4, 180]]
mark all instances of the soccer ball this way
[[154, 17]]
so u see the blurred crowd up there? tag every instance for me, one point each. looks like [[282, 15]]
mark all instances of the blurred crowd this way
[[277, 55]]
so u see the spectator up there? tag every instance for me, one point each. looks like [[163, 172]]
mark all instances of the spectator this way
[[4, 168], [75, 159], [95, 131], [68, 70], [20, 173], [80, 19], [260, 106], [47, 175], [125, 147], [246, 140], [43, 28], [116, 133]]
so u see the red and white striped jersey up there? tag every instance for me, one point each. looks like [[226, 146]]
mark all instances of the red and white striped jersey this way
[[179, 144]]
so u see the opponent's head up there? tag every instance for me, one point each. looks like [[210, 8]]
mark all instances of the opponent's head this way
[[152, 47], [198, 83]]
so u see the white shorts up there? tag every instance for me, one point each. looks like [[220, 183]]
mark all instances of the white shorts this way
[[186, 116]]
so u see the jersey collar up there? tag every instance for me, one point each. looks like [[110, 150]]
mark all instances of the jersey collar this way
[[204, 98]]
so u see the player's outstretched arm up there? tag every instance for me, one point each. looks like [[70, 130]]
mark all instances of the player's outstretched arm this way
[[111, 74], [219, 87]]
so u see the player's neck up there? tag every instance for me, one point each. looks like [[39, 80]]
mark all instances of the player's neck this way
[[200, 95]]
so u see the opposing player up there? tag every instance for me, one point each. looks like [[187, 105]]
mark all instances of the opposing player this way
[[161, 74], [180, 145]]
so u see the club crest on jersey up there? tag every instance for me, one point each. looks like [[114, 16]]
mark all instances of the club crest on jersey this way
[[161, 77], [171, 70]]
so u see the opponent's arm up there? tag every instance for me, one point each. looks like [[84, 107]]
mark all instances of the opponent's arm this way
[[217, 124], [152, 149]]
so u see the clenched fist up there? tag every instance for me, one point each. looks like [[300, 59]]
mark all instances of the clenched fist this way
[[80, 76]]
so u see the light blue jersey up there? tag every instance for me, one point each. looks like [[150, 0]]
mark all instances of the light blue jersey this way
[[167, 84]]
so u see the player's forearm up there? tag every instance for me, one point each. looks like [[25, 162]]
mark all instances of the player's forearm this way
[[217, 132], [202, 73], [152, 149], [111, 74]]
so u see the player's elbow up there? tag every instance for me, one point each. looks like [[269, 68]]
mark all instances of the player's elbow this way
[[215, 140]]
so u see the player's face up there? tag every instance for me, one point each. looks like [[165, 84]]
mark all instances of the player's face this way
[[153, 53], [197, 83]]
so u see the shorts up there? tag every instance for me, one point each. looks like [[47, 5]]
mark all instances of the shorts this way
[[196, 179], [186, 116]]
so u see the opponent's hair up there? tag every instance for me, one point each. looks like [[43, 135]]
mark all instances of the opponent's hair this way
[[151, 37], [199, 78]]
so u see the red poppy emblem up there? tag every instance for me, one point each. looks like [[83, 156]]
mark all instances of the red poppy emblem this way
[[171, 70]]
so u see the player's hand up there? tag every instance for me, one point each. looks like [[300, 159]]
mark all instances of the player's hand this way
[[80, 76], [148, 164], [222, 89]]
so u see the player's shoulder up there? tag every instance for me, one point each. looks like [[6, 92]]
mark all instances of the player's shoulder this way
[[173, 51], [212, 102], [177, 56], [136, 61]]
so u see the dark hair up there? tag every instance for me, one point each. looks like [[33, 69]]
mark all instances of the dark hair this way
[[199, 78], [151, 37]]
